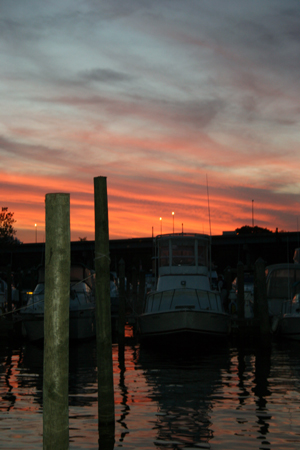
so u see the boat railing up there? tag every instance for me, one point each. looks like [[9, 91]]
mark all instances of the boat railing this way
[[175, 299]]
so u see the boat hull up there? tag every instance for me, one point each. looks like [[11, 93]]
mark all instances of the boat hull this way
[[201, 323], [81, 325]]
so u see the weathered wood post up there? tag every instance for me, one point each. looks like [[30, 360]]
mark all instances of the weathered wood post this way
[[262, 302], [255, 298], [122, 298], [9, 292], [240, 287], [134, 289], [106, 406], [142, 291], [56, 323], [228, 284]]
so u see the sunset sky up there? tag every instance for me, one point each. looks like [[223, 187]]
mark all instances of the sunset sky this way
[[164, 98]]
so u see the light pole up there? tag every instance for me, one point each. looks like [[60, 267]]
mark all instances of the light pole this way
[[35, 225], [160, 225], [173, 220], [252, 213]]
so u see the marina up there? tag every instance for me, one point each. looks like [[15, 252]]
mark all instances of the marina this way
[[118, 392]]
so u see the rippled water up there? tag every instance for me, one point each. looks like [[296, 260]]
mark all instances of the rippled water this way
[[206, 398]]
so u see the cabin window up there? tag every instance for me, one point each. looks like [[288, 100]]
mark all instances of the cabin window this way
[[180, 299], [203, 299], [166, 300], [183, 253], [202, 255], [213, 301], [156, 302], [149, 302], [164, 254]]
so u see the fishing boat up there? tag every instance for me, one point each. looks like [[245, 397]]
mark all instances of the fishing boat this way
[[184, 303], [81, 312]]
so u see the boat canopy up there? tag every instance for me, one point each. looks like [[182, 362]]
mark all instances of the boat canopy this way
[[281, 279]]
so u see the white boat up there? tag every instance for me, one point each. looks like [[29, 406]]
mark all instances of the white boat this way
[[184, 303], [280, 279], [82, 306]]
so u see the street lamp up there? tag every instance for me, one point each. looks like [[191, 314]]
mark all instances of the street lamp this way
[[35, 225], [160, 225], [173, 221]]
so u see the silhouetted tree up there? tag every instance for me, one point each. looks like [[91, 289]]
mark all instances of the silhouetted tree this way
[[246, 229], [7, 230]]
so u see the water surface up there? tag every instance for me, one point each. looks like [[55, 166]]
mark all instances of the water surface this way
[[220, 397]]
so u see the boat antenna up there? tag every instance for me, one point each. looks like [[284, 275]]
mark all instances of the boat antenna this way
[[209, 231], [208, 206]]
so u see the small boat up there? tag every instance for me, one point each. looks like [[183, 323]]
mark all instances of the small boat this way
[[82, 306], [183, 304]]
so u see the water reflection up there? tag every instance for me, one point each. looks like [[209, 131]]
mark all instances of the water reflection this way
[[9, 370], [219, 398], [183, 383]]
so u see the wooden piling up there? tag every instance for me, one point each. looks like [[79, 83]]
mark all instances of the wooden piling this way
[[142, 291], [122, 316], [134, 289], [106, 407], [262, 301], [56, 323], [9, 292], [240, 287]]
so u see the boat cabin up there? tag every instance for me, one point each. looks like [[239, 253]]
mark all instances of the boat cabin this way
[[181, 260]]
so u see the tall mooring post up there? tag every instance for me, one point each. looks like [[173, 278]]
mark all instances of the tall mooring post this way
[[240, 287], [134, 293], [106, 405], [9, 292], [122, 301], [142, 292], [262, 302], [56, 323]]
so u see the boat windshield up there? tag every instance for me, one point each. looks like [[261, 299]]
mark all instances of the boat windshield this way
[[280, 282], [183, 252]]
